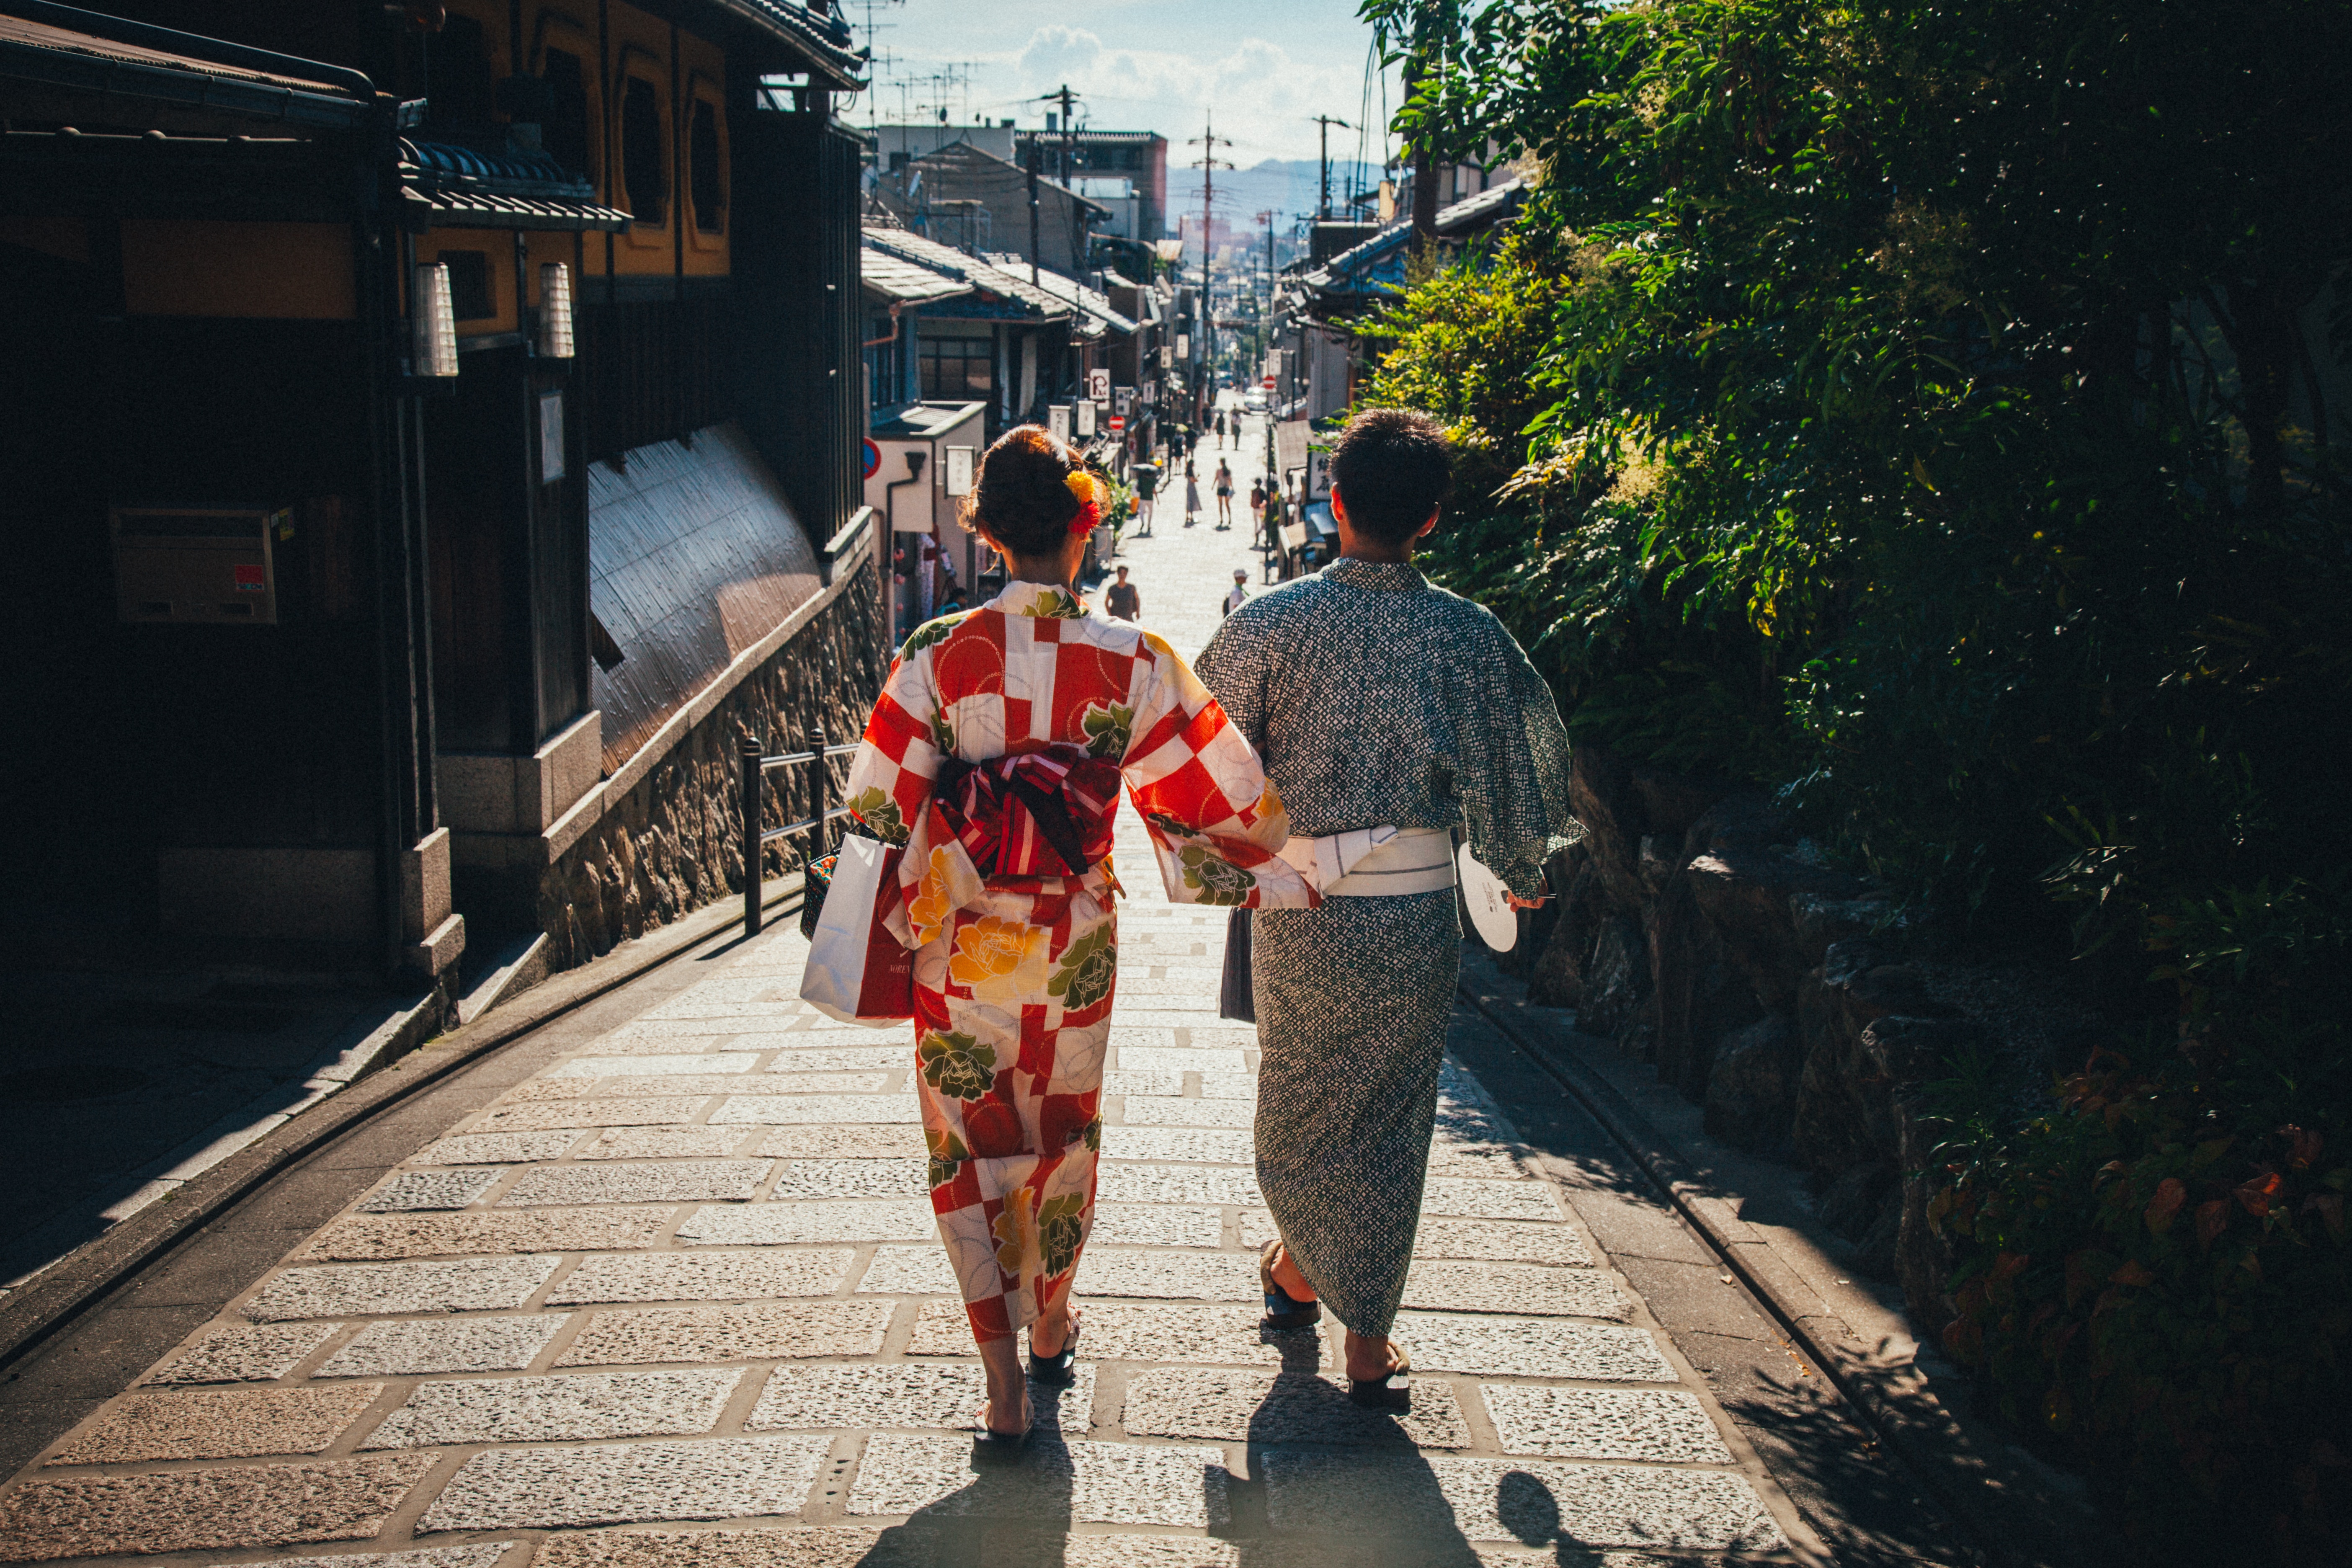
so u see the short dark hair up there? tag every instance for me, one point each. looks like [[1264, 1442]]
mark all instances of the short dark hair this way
[[1392, 467]]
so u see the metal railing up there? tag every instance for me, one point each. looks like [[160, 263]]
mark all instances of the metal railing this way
[[756, 838]]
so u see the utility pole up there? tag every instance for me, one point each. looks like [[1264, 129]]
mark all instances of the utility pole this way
[[1035, 153], [1323, 137], [1208, 163]]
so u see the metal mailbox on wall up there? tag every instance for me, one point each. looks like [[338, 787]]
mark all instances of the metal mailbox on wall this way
[[213, 566]]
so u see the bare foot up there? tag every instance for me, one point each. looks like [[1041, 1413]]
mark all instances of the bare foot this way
[[1368, 1358], [987, 1418], [1286, 1275]]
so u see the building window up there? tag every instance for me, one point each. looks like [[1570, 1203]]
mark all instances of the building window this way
[[565, 134], [702, 168], [645, 155], [469, 284], [958, 369]]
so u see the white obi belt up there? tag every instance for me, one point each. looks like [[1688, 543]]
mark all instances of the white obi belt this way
[[1373, 862]]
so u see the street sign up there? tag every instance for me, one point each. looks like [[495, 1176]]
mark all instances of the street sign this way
[[1122, 400], [1098, 385], [1057, 421], [960, 466], [1085, 420], [871, 459], [1117, 425]]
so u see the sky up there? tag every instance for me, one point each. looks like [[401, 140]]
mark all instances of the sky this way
[[1261, 68]]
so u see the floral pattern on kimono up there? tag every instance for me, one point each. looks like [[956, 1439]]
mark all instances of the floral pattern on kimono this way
[[1015, 976]]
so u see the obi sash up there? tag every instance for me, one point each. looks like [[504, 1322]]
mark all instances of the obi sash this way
[[1036, 814], [1372, 862]]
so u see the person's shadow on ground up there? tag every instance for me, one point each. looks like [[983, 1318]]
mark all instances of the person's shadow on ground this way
[[1016, 1509]]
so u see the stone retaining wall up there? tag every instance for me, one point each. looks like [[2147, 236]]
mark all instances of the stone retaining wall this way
[[673, 843], [1786, 996]]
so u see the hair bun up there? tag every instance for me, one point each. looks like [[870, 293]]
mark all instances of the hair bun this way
[[1023, 497]]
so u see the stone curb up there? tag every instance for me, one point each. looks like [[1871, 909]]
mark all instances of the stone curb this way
[[55, 1298], [1985, 1489]]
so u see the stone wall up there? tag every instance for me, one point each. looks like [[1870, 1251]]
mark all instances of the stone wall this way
[[673, 843], [1786, 996]]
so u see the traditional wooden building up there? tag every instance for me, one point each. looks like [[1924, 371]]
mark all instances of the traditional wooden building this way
[[420, 410]]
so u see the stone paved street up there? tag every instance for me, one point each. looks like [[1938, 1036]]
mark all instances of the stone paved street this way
[[675, 1299]]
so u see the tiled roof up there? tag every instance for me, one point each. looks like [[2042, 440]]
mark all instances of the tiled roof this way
[[825, 40], [135, 61], [458, 185], [908, 282], [984, 276], [1379, 262], [1095, 305]]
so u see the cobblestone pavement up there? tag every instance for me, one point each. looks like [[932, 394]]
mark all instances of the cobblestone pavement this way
[[676, 1298]]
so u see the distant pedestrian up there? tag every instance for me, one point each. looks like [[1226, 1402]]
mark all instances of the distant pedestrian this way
[[1224, 495], [1257, 497], [1191, 495], [1221, 429], [1240, 595], [1121, 599], [1146, 478]]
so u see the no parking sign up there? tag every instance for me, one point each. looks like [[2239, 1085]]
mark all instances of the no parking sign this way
[[872, 460]]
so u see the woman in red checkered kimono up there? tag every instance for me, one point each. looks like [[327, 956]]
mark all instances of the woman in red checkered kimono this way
[[995, 756]]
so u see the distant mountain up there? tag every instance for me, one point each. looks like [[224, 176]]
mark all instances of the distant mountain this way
[[1287, 186]]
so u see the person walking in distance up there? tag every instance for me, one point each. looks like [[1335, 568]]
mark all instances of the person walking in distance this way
[[1257, 500], [1224, 495], [995, 757], [1145, 478], [1391, 713], [1240, 595], [1122, 600], [1191, 495]]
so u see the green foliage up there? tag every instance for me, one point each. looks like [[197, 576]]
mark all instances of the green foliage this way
[[1926, 408]]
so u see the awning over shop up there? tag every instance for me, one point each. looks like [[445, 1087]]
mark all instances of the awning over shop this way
[[446, 185], [693, 556]]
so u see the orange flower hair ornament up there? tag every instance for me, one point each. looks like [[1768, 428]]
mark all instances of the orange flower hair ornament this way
[[1090, 516]]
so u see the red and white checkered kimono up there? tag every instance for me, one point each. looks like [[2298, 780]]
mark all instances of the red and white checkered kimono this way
[[1013, 975]]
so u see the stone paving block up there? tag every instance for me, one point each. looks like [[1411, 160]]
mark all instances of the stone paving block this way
[[650, 1112], [1487, 1161], [497, 1148], [1528, 1501], [900, 1178], [1283, 1407], [666, 1143], [704, 1277], [1216, 1145], [1225, 1034], [1124, 1182], [788, 1079], [1163, 1084], [1155, 1111], [1121, 1035], [467, 1344], [1094, 1483], [1530, 1200], [569, 1406], [1501, 1241], [1156, 1225], [835, 1219], [364, 1236], [1522, 1288], [941, 1328], [1179, 1059], [909, 1271], [716, 997], [851, 1142], [480, 1554], [1658, 1425], [839, 1057], [1172, 990], [1008, 1546], [539, 1090], [938, 1394], [749, 1333], [788, 1109], [653, 1066], [672, 1182], [835, 1547], [1199, 1276], [217, 1424], [1228, 1085], [1218, 1333], [649, 1029], [1532, 1347], [429, 1190], [624, 1483], [374, 1289], [193, 1510], [236, 1354]]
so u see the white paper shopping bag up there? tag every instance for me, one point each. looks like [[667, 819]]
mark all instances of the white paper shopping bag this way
[[857, 972]]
